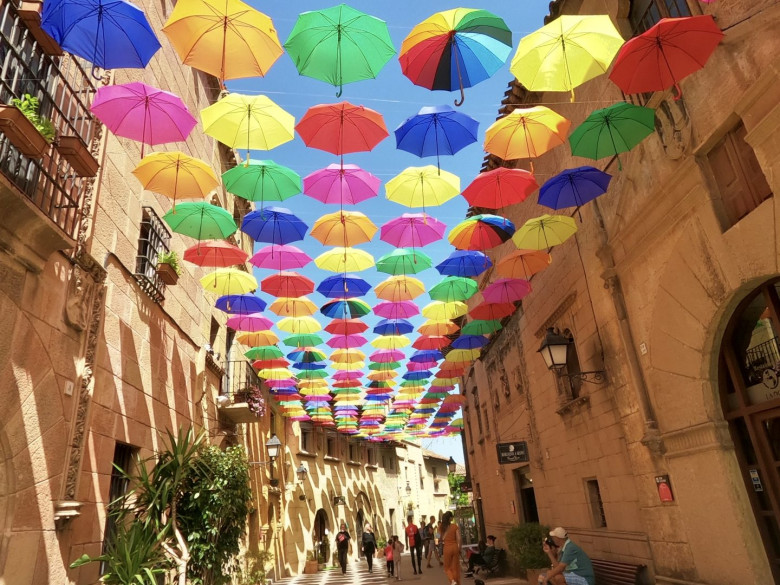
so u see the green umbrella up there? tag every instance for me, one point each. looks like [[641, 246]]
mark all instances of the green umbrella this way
[[339, 45], [303, 340], [202, 221], [612, 130], [264, 352], [311, 374], [480, 327], [382, 366], [403, 261], [453, 288], [262, 180]]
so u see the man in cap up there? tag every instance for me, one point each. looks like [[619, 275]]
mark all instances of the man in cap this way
[[569, 563]]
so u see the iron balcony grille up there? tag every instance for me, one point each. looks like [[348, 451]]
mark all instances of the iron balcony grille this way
[[152, 240], [242, 385], [65, 89]]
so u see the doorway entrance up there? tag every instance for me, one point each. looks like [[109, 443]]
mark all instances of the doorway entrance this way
[[321, 536]]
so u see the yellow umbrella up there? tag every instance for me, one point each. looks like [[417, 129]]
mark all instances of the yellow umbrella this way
[[382, 376], [226, 38], [176, 175], [348, 355], [343, 228], [257, 338], [462, 355], [293, 307], [544, 232], [438, 327], [348, 366], [422, 186], [228, 281], [441, 382], [275, 373], [248, 122], [526, 133], [299, 325], [399, 288], [343, 259], [566, 53], [390, 341], [442, 310]]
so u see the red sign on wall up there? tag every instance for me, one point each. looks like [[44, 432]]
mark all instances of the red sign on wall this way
[[664, 488]]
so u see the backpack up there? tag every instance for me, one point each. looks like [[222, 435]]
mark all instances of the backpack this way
[[426, 532]]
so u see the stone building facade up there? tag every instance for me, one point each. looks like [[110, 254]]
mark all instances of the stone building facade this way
[[670, 287]]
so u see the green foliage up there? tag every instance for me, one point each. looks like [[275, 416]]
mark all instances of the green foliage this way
[[212, 513], [255, 574], [29, 105], [459, 498], [524, 542], [171, 258]]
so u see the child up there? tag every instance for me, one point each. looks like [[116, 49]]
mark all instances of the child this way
[[398, 549], [389, 557]]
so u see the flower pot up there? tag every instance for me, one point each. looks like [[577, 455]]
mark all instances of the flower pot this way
[[30, 15], [310, 567], [73, 150], [21, 132], [167, 274]]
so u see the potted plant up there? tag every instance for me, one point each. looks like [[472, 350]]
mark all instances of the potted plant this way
[[380, 548], [311, 565], [30, 14], [25, 128], [168, 268], [524, 542], [253, 397], [74, 150]]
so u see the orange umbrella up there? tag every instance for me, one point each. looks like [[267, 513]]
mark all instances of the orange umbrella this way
[[523, 264], [399, 288], [526, 133], [343, 228]]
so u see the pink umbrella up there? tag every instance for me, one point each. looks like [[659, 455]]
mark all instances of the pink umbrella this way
[[412, 230], [249, 322], [280, 257], [287, 383], [506, 290], [346, 341], [420, 366], [386, 355], [341, 184], [143, 113], [396, 310], [347, 375]]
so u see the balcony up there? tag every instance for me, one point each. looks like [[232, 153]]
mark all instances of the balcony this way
[[42, 195], [242, 398]]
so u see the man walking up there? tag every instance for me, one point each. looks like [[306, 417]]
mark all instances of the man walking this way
[[414, 543]]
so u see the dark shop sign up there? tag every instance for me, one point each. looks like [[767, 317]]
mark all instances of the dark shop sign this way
[[515, 452]]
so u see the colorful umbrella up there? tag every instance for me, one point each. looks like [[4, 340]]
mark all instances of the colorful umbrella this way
[[347, 341], [390, 341], [240, 304], [526, 133], [491, 311], [612, 130], [506, 290], [111, 34], [226, 38], [343, 285], [339, 45], [345, 309], [262, 180], [342, 259], [280, 257], [455, 49], [438, 327], [523, 264], [386, 356], [441, 310], [421, 186], [202, 221], [393, 327], [574, 188], [500, 187], [341, 184], [216, 254], [250, 322], [307, 354], [566, 53], [399, 288], [275, 225], [303, 340], [287, 284], [464, 263], [544, 231], [342, 128], [346, 326], [431, 342], [470, 342], [480, 327], [481, 232], [663, 55], [228, 281], [453, 288], [343, 228], [403, 261], [399, 310], [413, 230], [435, 131], [349, 356], [174, 174], [268, 352], [299, 325]]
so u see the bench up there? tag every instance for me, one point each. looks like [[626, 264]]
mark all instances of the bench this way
[[496, 569], [616, 573]]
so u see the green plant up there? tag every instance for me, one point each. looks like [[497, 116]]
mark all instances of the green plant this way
[[254, 572], [171, 259], [524, 542], [459, 498], [29, 105]]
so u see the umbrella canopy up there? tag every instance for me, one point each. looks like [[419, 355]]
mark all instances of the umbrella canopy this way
[[421, 186], [346, 326], [403, 261], [216, 254], [481, 232], [545, 231], [342, 259], [396, 310], [293, 307], [228, 281], [526, 133], [574, 187], [143, 113], [262, 180], [612, 130], [346, 309], [506, 290], [341, 184], [342, 128], [390, 341], [480, 327], [226, 38], [566, 53], [393, 327], [111, 34], [438, 327], [343, 285], [441, 310], [174, 174], [386, 356], [287, 284], [240, 304], [267, 352], [299, 325], [413, 230], [435, 131], [453, 288], [500, 187], [663, 55], [343, 228], [470, 342], [523, 264], [431, 342], [304, 340], [202, 221], [455, 49], [491, 311], [275, 225], [464, 263], [399, 288], [250, 322], [280, 257], [347, 341], [339, 45], [307, 354], [349, 356]]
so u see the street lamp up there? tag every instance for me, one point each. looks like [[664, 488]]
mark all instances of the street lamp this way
[[452, 465], [555, 351], [408, 489], [273, 445], [302, 472]]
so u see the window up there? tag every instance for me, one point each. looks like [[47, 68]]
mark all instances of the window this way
[[436, 484], [569, 388], [213, 332], [123, 457], [371, 456], [645, 13], [307, 439], [354, 452], [152, 239], [331, 449], [477, 411], [271, 422], [486, 412], [596, 505], [738, 175], [420, 473]]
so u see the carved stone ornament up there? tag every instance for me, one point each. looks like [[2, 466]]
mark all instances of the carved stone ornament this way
[[673, 126]]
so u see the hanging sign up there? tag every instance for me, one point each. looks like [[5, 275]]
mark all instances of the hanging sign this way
[[664, 488], [516, 452]]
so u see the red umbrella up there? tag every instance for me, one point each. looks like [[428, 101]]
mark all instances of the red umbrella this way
[[451, 373], [342, 128], [274, 363], [287, 284], [347, 383], [500, 187], [506, 290], [666, 53], [431, 342], [346, 326], [490, 311], [215, 254]]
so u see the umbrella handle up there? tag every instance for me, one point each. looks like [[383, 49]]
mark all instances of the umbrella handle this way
[[462, 95]]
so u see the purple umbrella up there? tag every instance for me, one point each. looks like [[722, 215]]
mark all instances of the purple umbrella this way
[[143, 113], [341, 184], [574, 187], [280, 257], [412, 230], [396, 310]]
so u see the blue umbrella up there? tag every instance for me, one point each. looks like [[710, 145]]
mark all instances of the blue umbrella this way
[[393, 327], [274, 225], [470, 342], [342, 285], [111, 34], [435, 131], [240, 304], [574, 187], [426, 355], [309, 366], [424, 375], [464, 263]]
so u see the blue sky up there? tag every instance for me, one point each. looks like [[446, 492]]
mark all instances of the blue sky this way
[[394, 96]]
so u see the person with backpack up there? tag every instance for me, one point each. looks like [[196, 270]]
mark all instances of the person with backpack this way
[[430, 544], [369, 545], [414, 543], [342, 546]]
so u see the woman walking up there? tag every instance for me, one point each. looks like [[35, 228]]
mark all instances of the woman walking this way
[[451, 538], [369, 546], [342, 546]]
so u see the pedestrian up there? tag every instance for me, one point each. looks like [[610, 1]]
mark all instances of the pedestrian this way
[[342, 546], [389, 557], [451, 538], [368, 542], [398, 549], [431, 546], [570, 564], [414, 542]]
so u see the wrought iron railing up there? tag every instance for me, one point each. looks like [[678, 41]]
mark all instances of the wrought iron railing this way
[[152, 240], [760, 357], [65, 87], [241, 385]]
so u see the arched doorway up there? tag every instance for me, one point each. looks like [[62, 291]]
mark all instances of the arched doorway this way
[[749, 382], [322, 536]]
